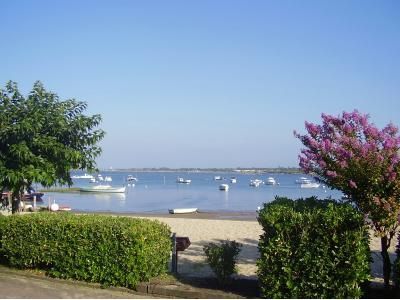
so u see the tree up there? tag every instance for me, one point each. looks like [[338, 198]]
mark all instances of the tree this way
[[43, 138], [352, 155]]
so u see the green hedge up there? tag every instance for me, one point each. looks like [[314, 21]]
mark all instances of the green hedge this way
[[312, 250], [117, 251]]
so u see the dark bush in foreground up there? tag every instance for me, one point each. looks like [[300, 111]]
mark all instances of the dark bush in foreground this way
[[222, 259], [317, 252], [113, 251]]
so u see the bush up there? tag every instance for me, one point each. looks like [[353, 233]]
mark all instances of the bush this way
[[301, 204], [113, 251], [222, 259], [316, 252]]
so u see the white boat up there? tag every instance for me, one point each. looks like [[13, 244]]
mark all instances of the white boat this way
[[92, 180], [255, 182], [270, 181], [103, 189], [217, 178], [302, 180], [224, 187], [130, 178], [309, 185], [108, 178], [181, 180], [100, 177], [182, 210], [85, 176], [233, 180]]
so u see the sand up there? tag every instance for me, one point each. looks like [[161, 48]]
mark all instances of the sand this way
[[191, 262]]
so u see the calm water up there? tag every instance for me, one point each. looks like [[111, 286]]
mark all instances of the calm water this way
[[157, 192]]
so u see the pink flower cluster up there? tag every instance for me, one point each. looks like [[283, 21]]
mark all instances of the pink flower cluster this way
[[347, 145]]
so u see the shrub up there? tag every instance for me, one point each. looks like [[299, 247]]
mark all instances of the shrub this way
[[317, 252], [222, 259], [113, 251]]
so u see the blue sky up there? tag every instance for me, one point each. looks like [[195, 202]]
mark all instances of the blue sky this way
[[207, 83]]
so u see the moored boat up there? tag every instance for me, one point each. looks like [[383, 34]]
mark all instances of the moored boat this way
[[224, 187], [309, 185], [270, 181], [181, 180], [85, 176], [302, 180], [255, 182], [130, 178], [103, 189]]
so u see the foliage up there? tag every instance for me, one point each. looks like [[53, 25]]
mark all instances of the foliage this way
[[352, 155], [319, 252], [43, 138], [115, 251], [222, 259], [300, 204]]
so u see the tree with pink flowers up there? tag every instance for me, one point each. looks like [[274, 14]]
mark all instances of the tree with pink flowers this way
[[351, 154]]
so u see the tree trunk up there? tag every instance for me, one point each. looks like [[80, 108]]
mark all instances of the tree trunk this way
[[15, 205], [387, 265], [16, 202]]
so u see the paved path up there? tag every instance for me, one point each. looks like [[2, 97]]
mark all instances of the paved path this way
[[15, 284]]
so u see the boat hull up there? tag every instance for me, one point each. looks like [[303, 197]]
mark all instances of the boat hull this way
[[224, 187], [312, 185], [103, 189], [182, 210]]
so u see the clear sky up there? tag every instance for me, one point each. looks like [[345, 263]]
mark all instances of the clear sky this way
[[207, 83]]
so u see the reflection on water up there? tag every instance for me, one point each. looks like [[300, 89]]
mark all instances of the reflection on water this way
[[109, 196]]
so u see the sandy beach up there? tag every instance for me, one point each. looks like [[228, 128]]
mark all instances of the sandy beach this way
[[202, 230]]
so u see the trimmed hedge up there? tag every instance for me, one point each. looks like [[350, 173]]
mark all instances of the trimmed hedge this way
[[115, 251], [312, 250]]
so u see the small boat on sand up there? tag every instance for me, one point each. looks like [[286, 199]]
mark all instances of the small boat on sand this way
[[182, 210], [103, 189]]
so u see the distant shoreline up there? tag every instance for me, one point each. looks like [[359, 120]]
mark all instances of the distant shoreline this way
[[210, 170]]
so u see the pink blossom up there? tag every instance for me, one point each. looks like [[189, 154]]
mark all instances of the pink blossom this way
[[389, 143], [371, 132], [312, 128], [390, 129], [343, 164], [352, 184], [392, 176], [332, 174], [326, 145], [347, 129]]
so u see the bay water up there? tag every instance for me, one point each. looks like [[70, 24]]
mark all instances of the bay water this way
[[156, 192]]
